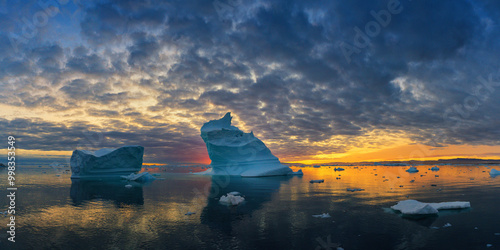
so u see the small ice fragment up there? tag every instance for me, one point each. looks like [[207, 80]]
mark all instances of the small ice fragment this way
[[489, 245], [355, 189], [494, 172], [412, 170], [317, 181], [235, 193], [324, 215], [434, 227], [128, 186], [497, 234], [231, 199], [316, 166], [476, 228], [57, 175], [338, 169], [435, 168], [447, 225], [189, 213], [412, 181]]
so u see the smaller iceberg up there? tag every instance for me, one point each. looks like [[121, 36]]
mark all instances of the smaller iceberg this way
[[338, 169], [413, 207], [494, 172], [106, 162], [412, 170], [232, 198], [142, 177], [435, 168]]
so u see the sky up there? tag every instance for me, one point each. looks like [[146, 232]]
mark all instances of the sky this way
[[317, 81]]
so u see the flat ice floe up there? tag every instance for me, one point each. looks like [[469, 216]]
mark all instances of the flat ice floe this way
[[142, 177], [412, 170], [413, 207]]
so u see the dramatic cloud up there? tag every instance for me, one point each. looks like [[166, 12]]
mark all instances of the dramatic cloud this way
[[309, 77]]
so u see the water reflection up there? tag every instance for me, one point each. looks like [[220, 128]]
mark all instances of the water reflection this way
[[113, 190], [257, 191]]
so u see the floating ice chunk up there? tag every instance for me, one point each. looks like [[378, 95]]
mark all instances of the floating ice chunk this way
[[234, 152], [189, 213], [355, 189], [231, 199], [235, 193], [322, 216], [338, 169], [316, 166], [489, 245], [413, 207], [106, 162], [128, 186], [494, 172], [142, 177], [317, 181], [412, 170], [497, 234], [298, 172], [435, 168], [446, 225]]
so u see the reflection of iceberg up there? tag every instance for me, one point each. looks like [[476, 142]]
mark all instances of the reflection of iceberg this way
[[256, 191], [114, 190], [234, 152], [106, 162]]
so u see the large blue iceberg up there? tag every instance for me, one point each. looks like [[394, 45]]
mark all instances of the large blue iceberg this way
[[106, 162], [234, 152]]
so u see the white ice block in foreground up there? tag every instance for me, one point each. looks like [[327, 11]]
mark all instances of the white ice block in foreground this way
[[494, 172], [412, 170], [106, 162], [231, 199], [234, 152], [413, 207]]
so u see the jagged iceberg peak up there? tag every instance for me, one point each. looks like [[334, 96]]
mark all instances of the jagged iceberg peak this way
[[223, 123], [234, 152]]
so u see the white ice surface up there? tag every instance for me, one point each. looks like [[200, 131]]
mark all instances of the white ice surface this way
[[230, 199], [142, 177], [413, 207]]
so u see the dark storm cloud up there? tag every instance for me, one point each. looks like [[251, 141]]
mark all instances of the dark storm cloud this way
[[281, 68]]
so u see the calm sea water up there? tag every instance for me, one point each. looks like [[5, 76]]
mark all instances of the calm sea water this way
[[54, 212]]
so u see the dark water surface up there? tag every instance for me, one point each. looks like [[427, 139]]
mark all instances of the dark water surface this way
[[54, 212]]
